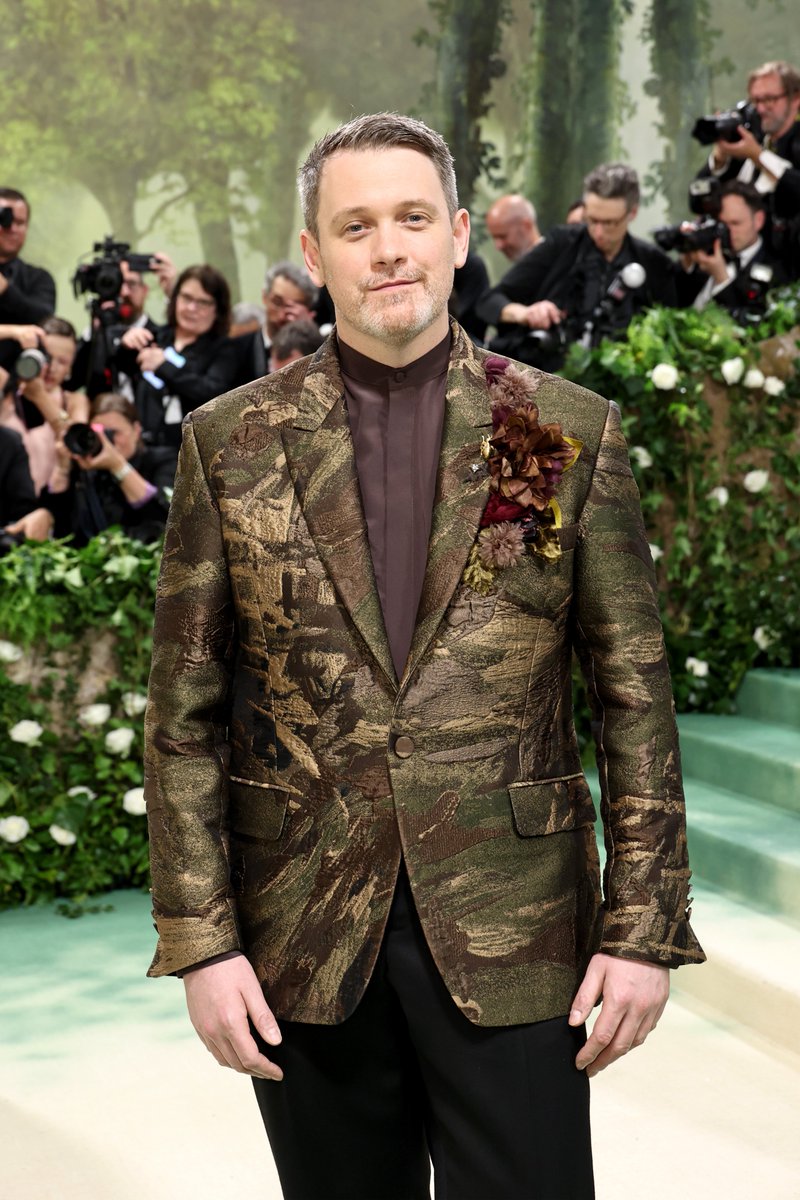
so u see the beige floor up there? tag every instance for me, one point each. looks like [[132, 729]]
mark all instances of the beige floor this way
[[105, 1093]]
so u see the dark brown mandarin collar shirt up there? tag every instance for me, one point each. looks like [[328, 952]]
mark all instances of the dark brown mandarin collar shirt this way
[[396, 417]]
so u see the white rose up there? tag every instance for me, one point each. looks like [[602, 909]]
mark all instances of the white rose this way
[[14, 829], [134, 703], [119, 741], [665, 377], [721, 495], [643, 457], [27, 733], [756, 481], [80, 790], [697, 666], [94, 714], [133, 802], [762, 638], [732, 370], [9, 652], [774, 386], [656, 552], [754, 378], [64, 837]]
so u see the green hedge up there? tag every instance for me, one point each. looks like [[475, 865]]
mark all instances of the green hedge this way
[[76, 624]]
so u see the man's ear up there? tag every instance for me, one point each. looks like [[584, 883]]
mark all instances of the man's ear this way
[[461, 236], [760, 217], [311, 257]]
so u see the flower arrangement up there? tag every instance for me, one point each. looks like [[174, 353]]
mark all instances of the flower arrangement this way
[[524, 462]]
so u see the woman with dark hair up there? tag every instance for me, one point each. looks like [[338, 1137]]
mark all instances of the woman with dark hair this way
[[187, 361], [118, 481]]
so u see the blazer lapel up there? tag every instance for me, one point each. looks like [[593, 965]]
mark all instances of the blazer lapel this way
[[461, 491], [321, 462]]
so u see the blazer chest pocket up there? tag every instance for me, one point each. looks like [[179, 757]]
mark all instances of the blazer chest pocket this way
[[543, 806], [257, 810]]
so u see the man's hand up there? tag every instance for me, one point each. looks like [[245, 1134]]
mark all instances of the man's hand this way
[[165, 272], [747, 147], [713, 264], [220, 997], [136, 339], [27, 336], [634, 995], [36, 526], [151, 358], [541, 315]]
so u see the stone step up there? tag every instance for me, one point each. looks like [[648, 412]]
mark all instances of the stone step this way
[[750, 758], [752, 975], [772, 696], [749, 850]]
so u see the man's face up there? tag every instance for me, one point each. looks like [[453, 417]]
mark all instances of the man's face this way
[[607, 221], [62, 355], [133, 292], [284, 302], [744, 225], [386, 250], [12, 240], [512, 236], [777, 110]]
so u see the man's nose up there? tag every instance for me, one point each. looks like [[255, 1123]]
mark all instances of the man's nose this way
[[388, 246]]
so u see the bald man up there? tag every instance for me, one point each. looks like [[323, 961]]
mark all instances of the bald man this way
[[511, 222]]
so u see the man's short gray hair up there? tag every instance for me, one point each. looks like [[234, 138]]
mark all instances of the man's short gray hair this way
[[296, 275], [375, 131], [613, 181]]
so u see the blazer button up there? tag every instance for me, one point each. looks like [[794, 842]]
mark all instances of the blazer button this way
[[404, 747]]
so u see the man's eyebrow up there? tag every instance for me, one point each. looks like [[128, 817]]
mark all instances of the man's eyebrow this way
[[358, 210]]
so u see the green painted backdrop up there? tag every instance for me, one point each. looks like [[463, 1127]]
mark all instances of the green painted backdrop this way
[[179, 126]]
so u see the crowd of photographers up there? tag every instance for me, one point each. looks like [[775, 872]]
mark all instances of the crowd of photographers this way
[[90, 422]]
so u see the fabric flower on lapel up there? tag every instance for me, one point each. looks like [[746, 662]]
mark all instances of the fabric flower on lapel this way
[[525, 461]]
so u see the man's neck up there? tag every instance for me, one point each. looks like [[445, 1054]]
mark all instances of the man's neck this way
[[396, 356]]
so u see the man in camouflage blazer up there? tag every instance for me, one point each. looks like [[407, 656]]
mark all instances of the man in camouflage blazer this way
[[289, 769]]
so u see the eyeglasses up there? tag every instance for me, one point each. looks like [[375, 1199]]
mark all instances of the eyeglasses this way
[[607, 222], [196, 301], [756, 100]]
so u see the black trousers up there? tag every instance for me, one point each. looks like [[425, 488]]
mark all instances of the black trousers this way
[[364, 1106]]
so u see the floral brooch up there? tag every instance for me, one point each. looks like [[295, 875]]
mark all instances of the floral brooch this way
[[525, 461]]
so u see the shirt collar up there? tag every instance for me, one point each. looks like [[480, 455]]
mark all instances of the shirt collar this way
[[375, 374]]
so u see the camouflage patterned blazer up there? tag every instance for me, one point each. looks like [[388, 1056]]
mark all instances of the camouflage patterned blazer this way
[[279, 797]]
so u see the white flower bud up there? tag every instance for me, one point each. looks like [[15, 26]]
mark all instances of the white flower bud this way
[[133, 802], [754, 378], [697, 667], [119, 741], [642, 456], [94, 714], [656, 552], [732, 370], [9, 652], [64, 837], [79, 790], [134, 703], [14, 829], [762, 638], [756, 481], [720, 494], [774, 386], [27, 733], [665, 377]]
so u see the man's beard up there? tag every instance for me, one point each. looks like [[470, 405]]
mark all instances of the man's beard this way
[[387, 318]]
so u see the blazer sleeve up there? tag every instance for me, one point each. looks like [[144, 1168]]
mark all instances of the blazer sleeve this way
[[186, 729], [620, 644]]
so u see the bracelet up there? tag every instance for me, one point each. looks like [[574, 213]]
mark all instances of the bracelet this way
[[124, 470]]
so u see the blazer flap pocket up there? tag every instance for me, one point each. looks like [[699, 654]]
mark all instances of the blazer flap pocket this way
[[256, 809], [551, 805]]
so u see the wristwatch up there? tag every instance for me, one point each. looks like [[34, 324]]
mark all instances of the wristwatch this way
[[124, 470]]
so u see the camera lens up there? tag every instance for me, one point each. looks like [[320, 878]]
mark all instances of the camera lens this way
[[82, 440], [30, 364]]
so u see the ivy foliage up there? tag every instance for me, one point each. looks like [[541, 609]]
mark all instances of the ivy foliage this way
[[718, 468]]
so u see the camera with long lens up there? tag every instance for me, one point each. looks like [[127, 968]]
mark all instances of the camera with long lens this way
[[103, 276], [724, 127], [82, 440], [693, 235], [6, 217], [31, 363]]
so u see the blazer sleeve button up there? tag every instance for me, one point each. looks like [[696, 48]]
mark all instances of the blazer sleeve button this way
[[403, 746]]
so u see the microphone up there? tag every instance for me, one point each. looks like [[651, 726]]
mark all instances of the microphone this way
[[631, 277]]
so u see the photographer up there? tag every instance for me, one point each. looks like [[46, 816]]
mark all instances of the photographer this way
[[185, 362], [105, 476], [19, 516], [771, 160], [40, 407], [736, 276], [567, 284], [27, 294]]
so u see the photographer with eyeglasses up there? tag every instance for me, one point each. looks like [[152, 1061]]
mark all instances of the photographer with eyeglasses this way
[[763, 149], [27, 294], [582, 282], [186, 362]]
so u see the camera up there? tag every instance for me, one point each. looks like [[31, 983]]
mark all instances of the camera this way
[[9, 541], [724, 127], [693, 235], [6, 217], [31, 363], [103, 276], [82, 440], [548, 341]]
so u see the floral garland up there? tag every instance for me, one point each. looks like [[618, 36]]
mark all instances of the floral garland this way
[[525, 461]]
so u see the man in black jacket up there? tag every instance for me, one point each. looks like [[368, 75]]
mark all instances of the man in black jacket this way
[[562, 285], [27, 294]]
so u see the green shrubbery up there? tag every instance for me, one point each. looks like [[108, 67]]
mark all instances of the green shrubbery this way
[[716, 452]]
